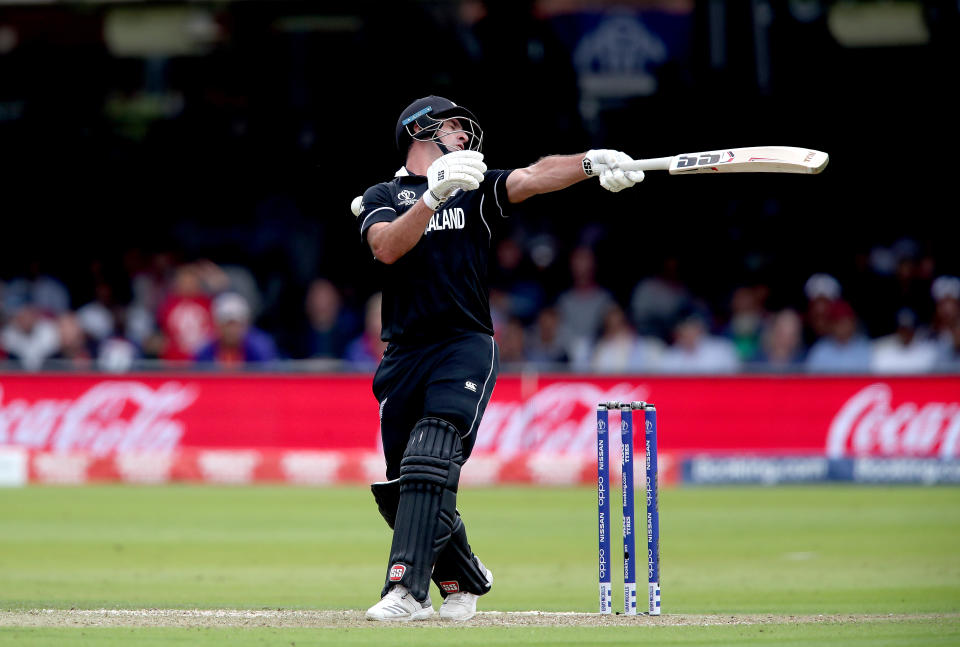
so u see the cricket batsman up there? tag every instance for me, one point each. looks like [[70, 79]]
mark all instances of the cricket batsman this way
[[431, 226]]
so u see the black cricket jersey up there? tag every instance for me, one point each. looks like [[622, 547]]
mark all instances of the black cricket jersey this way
[[439, 288]]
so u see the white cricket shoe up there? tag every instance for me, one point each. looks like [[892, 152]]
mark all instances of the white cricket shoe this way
[[399, 606], [459, 607]]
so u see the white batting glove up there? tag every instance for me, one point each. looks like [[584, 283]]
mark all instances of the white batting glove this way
[[457, 170], [606, 164]]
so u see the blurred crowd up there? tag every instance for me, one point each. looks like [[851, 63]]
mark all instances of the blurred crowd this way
[[198, 314], [904, 323], [203, 315]]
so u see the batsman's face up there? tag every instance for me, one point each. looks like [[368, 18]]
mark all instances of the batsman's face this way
[[452, 136]]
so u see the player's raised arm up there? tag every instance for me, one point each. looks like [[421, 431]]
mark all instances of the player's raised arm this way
[[560, 171]]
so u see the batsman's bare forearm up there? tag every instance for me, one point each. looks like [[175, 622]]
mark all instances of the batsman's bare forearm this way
[[391, 240], [548, 174]]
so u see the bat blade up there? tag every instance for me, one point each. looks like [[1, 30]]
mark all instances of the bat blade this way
[[758, 159], [755, 159]]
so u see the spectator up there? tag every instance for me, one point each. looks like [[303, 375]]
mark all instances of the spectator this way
[[910, 288], [583, 306], [782, 342], [901, 279], [236, 342], [154, 345], [510, 339], [657, 302], [117, 353], [747, 318], [620, 350], [949, 354], [905, 351], [545, 348], [822, 291], [500, 308], [185, 316], [99, 317], [366, 351], [694, 350], [513, 276], [844, 349], [76, 349], [217, 279], [3, 320], [45, 292], [330, 326], [30, 337], [946, 297], [138, 322], [151, 278], [96, 317], [142, 300]]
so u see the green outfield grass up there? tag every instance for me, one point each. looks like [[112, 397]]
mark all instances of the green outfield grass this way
[[810, 550], [870, 634]]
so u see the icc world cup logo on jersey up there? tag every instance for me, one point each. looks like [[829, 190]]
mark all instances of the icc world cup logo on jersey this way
[[407, 198]]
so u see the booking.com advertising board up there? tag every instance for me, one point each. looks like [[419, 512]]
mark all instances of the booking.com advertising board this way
[[540, 429]]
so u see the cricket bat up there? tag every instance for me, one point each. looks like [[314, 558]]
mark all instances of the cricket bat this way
[[755, 159]]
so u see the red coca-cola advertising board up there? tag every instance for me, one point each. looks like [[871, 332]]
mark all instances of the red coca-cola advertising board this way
[[323, 428], [154, 413]]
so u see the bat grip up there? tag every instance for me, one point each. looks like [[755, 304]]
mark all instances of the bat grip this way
[[652, 164]]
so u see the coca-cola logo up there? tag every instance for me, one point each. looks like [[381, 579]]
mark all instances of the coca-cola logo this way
[[869, 425], [112, 416], [558, 419]]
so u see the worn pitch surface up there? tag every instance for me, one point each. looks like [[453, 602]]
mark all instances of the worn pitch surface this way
[[280, 618]]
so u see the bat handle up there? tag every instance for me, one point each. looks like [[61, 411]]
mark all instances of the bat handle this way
[[652, 164]]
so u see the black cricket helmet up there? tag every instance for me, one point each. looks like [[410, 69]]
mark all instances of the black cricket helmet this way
[[429, 113]]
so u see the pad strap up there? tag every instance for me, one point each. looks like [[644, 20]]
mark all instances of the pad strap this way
[[457, 569]]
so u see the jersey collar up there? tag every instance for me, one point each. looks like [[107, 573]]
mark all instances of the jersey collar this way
[[404, 173]]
